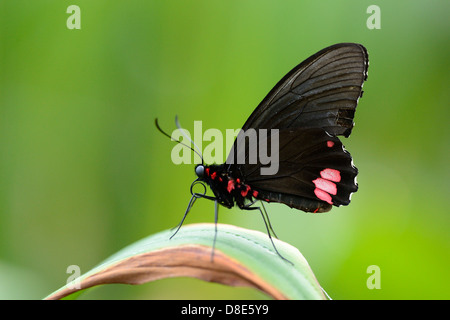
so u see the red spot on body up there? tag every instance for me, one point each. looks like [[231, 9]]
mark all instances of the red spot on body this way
[[315, 211], [331, 174], [238, 180], [213, 175], [255, 193], [220, 179], [325, 185], [230, 185], [245, 192], [330, 143], [207, 171]]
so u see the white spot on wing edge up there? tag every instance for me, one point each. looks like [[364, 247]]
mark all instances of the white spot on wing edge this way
[[353, 166]]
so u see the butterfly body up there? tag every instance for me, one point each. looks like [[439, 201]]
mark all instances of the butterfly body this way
[[229, 188]]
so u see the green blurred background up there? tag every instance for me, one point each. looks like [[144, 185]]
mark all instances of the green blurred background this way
[[84, 172]]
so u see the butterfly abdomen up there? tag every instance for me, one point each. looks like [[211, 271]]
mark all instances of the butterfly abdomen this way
[[296, 202]]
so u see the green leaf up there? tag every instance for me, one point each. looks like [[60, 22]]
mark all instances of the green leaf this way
[[242, 257]]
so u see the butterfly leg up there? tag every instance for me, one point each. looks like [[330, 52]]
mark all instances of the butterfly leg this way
[[194, 197], [268, 221], [191, 203], [216, 217], [267, 228]]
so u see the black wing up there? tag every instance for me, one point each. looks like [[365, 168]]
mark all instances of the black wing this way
[[311, 105], [321, 92], [314, 171]]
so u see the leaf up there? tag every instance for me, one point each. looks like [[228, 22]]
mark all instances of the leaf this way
[[242, 257]]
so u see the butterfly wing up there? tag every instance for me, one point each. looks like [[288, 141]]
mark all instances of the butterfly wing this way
[[321, 92], [314, 171], [313, 104]]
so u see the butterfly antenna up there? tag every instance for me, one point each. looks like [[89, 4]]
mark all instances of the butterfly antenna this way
[[173, 139], [177, 123]]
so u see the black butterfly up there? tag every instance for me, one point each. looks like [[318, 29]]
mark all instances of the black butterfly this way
[[312, 105]]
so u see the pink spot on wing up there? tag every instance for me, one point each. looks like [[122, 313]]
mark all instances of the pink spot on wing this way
[[325, 185], [213, 175], [331, 174], [330, 143], [322, 195]]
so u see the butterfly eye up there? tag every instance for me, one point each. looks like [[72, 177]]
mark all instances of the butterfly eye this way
[[200, 171]]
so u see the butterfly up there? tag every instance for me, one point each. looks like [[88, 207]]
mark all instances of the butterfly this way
[[304, 115]]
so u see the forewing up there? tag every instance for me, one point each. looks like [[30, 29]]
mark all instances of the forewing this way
[[321, 92]]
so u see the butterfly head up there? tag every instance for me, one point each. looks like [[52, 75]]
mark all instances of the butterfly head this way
[[200, 171]]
